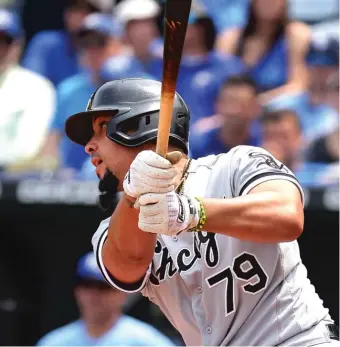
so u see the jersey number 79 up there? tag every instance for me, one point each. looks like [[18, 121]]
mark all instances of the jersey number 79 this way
[[245, 267]]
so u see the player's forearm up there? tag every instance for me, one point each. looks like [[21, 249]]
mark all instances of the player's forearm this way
[[268, 217], [128, 251]]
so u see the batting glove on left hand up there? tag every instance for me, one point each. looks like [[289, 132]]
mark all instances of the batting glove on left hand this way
[[167, 214]]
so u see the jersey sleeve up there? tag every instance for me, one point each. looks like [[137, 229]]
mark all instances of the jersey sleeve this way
[[98, 241], [251, 166]]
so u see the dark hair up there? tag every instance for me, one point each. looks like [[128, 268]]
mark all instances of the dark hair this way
[[82, 4], [276, 116], [209, 32], [240, 80], [252, 23]]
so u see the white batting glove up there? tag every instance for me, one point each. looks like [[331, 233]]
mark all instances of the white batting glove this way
[[149, 173], [167, 214]]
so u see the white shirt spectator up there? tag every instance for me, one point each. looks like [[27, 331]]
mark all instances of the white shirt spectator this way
[[27, 103]]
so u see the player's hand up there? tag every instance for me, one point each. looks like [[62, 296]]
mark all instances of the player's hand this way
[[167, 214], [149, 173]]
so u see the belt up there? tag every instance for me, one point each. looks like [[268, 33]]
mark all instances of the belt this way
[[333, 331]]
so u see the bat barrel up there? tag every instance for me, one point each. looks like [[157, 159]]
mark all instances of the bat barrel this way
[[176, 22]]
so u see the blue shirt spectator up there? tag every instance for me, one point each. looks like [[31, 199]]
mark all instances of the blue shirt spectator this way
[[273, 49], [316, 119], [127, 331], [102, 322], [235, 122], [211, 142], [201, 75], [53, 55], [271, 71], [227, 14], [202, 88], [73, 95]]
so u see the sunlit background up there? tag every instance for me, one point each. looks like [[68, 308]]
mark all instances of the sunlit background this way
[[254, 72]]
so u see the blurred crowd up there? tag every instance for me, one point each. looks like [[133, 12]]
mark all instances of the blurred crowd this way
[[253, 72]]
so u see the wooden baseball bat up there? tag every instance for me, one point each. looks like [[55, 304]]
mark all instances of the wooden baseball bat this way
[[176, 23]]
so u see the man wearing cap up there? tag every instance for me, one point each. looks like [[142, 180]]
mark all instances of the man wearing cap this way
[[53, 53], [101, 320], [27, 100], [98, 39], [139, 19]]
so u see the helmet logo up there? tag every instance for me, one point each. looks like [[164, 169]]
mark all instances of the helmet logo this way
[[89, 104]]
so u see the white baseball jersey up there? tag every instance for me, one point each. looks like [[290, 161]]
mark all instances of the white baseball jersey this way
[[27, 106], [219, 290]]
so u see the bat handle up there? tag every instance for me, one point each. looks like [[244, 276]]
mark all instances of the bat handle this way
[[164, 125], [161, 149]]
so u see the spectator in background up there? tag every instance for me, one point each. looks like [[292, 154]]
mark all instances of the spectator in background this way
[[321, 113], [27, 100], [235, 123], [226, 14], [282, 137], [202, 70], [273, 49], [53, 53], [98, 39], [139, 19], [318, 108], [101, 322], [325, 149]]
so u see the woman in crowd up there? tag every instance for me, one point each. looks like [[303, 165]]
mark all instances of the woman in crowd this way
[[272, 48]]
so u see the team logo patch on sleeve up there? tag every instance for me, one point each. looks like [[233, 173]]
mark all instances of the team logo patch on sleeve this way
[[267, 160]]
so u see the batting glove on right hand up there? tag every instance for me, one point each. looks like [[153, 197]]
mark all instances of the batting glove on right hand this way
[[167, 214], [149, 173]]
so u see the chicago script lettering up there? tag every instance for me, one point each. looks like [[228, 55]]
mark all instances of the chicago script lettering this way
[[186, 258]]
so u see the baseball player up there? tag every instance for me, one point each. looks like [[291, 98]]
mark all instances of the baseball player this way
[[211, 241]]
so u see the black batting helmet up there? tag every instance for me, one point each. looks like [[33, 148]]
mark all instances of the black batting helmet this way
[[135, 105]]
